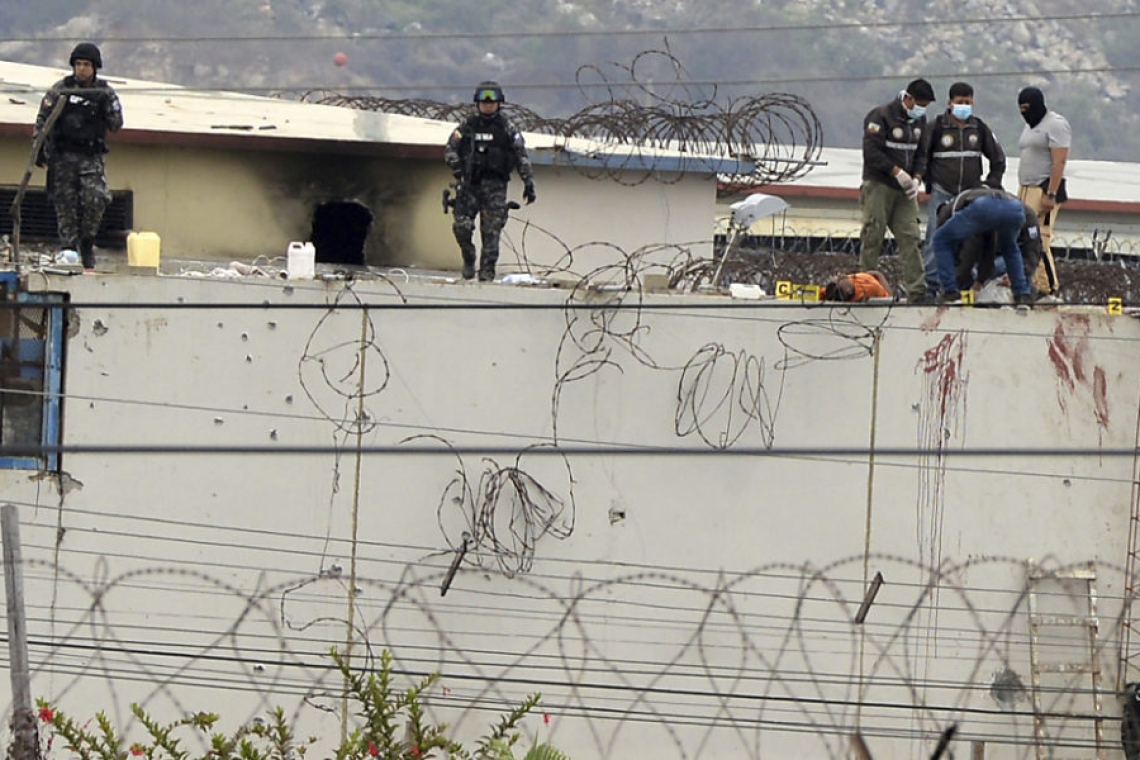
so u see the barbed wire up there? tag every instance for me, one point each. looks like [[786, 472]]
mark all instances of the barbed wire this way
[[501, 517], [739, 663], [658, 118], [720, 394], [698, 665]]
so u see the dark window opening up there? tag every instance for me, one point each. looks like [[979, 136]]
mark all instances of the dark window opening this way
[[339, 231], [38, 223]]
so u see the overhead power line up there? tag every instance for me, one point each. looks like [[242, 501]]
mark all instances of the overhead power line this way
[[765, 83], [563, 33], [630, 450]]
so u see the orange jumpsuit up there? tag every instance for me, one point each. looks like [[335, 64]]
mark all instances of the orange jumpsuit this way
[[867, 286]]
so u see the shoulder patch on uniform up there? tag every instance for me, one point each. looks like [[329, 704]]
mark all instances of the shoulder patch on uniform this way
[[873, 127], [1034, 233]]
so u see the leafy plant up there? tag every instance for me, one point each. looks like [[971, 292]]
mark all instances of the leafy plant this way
[[260, 740], [392, 726]]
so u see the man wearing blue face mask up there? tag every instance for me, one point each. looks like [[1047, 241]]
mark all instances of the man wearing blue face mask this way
[[893, 167], [957, 142]]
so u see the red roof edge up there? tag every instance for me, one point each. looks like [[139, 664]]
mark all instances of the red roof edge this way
[[846, 193]]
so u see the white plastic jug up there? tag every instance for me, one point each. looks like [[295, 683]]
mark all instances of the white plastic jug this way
[[301, 261], [746, 291]]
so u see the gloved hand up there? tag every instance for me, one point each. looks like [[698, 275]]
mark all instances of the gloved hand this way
[[907, 183], [528, 193]]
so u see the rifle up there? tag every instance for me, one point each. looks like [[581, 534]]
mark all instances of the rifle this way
[[37, 146], [449, 202], [463, 182]]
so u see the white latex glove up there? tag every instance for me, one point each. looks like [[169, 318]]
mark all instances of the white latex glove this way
[[907, 183]]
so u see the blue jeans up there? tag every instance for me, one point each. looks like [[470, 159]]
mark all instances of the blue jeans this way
[[938, 196], [1005, 216]]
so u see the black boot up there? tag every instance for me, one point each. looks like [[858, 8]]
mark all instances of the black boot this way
[[487, 261], [87, 253], [468, 269]]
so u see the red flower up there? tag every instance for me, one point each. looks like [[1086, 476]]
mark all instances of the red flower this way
[[136, 749], [46, 714], [373, 749], [546, 718], [415, 751]]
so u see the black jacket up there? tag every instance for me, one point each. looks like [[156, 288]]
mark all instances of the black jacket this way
[[954, 154], [892, 139]]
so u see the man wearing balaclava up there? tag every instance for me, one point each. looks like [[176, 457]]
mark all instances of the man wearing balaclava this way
[[1044, 146]]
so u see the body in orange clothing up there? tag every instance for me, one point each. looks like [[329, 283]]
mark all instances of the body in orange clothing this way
[[857, 287]]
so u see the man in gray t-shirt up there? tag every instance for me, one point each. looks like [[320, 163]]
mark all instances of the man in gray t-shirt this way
[[1044, 146]]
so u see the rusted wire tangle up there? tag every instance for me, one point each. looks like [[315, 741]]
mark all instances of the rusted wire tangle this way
[[778, 132]]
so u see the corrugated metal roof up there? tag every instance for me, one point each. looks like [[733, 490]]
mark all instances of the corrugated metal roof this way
[[156, 112], [1093, 181], [161, 108]]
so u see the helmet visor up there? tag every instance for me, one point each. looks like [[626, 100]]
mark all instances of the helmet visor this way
[[488, 95]]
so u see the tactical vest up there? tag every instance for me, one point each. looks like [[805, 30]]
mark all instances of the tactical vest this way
[[489, 149], [81, 126]]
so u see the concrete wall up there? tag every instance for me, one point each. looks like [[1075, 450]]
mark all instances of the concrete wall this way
[[693, 600], [229, 204], [840, 218], [559, 232]]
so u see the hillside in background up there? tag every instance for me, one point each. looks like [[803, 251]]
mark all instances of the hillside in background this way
[[556, 57]]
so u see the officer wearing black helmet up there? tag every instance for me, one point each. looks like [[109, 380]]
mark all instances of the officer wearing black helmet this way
[[74, 148], [481, 153]]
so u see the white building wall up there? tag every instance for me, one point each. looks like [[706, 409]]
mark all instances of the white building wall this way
[[559, 232], [691, 600], [1112, 186]]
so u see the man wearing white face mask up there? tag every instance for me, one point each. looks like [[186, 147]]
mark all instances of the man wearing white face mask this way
[[957, 142], [893, 167]]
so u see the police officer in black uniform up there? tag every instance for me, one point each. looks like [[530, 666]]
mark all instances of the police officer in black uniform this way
[[481, 153], [957, 141], [893, 168], [74, 148]]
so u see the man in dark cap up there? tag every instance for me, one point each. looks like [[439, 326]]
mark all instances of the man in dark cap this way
[[74, 148], [1044, 146], [893, 167], [481, 153]]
